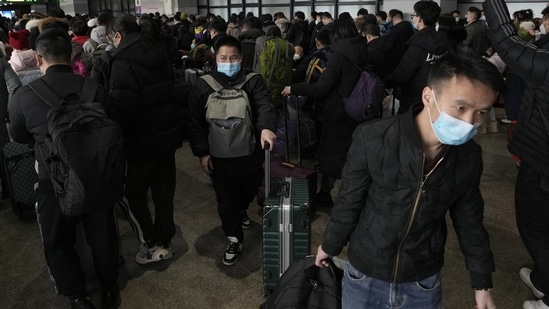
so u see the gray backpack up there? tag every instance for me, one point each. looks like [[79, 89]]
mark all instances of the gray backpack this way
[[229, 114]]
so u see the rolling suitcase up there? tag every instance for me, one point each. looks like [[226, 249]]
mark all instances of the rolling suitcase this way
[[286, 225], [20, 176]]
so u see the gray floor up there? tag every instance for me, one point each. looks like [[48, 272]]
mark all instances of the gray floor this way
[[196, 277]]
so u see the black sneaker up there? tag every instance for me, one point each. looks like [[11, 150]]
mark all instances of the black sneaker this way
[[232, 252], [246, 222], [81, 303], [110, 298], [324, 199]]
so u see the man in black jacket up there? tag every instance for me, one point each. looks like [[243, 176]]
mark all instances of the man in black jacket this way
[[530, 143], [251, 30], [402, 175], [425, 47], [236, 179], [401, 32], [30, 125]]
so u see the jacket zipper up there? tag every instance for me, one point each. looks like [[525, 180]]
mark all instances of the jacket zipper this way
[[413, 215]]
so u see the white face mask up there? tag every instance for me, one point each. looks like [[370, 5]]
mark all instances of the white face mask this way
[[297, 57], [542, 29], [457, 19]]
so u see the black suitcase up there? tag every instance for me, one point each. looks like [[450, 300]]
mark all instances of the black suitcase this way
[[20, 176], [286, 225]]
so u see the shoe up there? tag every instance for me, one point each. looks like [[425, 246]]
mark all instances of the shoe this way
[[524, 274], [81, 303], [534, 304], [483, 128], [324, 199], [150, 254], [110, 298], [506, 121], [246, 222], [170, 253], [232, 252], [493, 126]]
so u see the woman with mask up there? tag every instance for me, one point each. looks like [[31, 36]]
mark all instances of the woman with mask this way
[[141, 82], [236, 175]]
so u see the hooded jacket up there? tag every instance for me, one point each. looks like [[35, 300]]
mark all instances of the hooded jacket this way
[[423, 48], [23, 62], [142, 84], [349, 56], [248, 39], [392, 211], [530, 140]]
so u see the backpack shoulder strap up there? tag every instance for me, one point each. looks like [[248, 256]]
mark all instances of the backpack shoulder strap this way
[[42, 90], [89, 90], [248, 77], [215, 85]]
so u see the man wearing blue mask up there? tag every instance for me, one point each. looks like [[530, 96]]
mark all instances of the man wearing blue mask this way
[[401, 177], [231, 119]]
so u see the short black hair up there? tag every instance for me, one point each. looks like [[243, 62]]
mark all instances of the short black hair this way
[[300, 15], [56, 12], [104, 18], [345, 15], [252, 23], [371, 29], [362, 11], [428, 11], [218, 26], [343, 28], [455, 11], [475, 11], [396, 13], [545, 11], [382, 15], [54, 45], [327, 15], [323, 37], [79, 27], [228, 41], [473, 68], [313, 14]]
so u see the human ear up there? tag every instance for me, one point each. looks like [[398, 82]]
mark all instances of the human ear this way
[[426, 96]]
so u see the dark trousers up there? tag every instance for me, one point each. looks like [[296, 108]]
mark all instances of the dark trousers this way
[[58, 233], [158, 174], [234, 194], [532, 211]]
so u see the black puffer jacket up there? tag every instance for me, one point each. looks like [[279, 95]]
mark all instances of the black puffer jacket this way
[[335, 83], [531, 138], [248, 39], [424, 47], [263, 116], [142, 85], [394, 219]]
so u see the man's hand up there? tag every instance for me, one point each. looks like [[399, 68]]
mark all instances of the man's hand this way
[[206, 164], [286, 91], [269, 137], [321, 257], [484, 300]]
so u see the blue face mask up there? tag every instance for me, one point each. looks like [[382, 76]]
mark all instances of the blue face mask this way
[[450, 130], [230, 69]]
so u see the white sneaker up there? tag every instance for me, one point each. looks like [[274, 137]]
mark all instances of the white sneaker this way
[[149, 255], [232, 252], [524, 274], [170, 253], [534, 304]]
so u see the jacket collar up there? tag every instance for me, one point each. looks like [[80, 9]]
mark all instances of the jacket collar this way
[[59, 68], [408, 124]]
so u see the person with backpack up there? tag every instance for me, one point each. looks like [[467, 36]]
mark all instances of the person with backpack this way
[[349, 57], [141, 82], [229, 142], [29, 124], [402, 177]]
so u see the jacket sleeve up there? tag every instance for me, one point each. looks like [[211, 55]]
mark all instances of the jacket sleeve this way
[[261, 103], [198, 127], [18, 127], [531, 63], [407, 67], [12, 80], [124, 88], [327, 82], [467, 217], [355, 183]]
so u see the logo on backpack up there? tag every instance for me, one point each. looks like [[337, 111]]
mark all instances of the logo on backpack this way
[[85, 160], [229, 114]]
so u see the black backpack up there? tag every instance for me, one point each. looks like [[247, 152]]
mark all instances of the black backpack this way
[[306, 286], [85, 162]]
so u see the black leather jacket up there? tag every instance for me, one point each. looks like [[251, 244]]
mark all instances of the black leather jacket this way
[[392, 212]]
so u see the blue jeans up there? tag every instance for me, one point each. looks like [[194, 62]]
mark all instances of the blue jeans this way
[[363, 292]]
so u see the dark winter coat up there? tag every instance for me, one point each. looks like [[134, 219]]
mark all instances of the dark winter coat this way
[[395, 40], [477, 37], [394, 217], [530, 140], [263, 116], [378, 57], [424, 48], [337, 82], [142, 84], [248, 39]]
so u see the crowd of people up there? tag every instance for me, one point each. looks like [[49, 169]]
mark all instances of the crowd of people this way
[[399, 175]]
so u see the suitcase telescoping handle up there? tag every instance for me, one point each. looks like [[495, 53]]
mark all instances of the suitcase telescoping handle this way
[[267, 148]]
